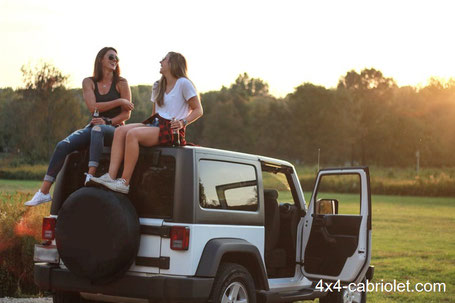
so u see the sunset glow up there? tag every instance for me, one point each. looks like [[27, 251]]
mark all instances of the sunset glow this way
[[285, 43]]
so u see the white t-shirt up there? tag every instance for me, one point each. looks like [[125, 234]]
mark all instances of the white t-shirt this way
[[175, 103]]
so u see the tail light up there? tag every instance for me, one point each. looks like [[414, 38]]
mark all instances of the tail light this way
[[180, 237], [48, 231]]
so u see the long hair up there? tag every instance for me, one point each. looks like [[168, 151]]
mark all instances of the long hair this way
[[178, 70], [98, 68]]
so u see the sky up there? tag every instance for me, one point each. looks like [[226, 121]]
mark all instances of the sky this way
[[285, 43]]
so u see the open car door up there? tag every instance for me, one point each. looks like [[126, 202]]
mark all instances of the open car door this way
[[336, 242]]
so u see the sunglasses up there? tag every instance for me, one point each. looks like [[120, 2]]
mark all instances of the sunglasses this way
[[113, 57]]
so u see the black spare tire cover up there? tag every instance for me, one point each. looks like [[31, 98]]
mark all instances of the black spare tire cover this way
[[97, 234]]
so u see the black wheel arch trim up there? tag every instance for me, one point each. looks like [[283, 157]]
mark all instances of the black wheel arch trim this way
[[214, 251]]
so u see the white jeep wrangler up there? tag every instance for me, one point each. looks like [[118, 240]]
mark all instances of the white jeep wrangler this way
[[205, 225]]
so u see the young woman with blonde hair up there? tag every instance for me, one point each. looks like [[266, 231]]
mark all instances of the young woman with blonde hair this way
[[176, 104]]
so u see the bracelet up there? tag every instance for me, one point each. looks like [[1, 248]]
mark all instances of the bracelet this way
[[185, 122]]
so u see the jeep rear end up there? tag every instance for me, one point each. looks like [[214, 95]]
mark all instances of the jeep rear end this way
[[162, 193]]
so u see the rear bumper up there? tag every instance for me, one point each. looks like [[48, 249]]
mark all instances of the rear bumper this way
[[168, 288]]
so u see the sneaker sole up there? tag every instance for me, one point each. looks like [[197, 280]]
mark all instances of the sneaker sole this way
[[106, 185], [38, 203], [112, 187]]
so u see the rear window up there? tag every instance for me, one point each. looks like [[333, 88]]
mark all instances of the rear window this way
[[227, 185], [152, 186]]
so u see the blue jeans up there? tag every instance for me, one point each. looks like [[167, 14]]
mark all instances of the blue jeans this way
[[93, 136]]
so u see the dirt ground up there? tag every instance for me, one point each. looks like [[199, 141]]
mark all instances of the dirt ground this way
[[25, 300]]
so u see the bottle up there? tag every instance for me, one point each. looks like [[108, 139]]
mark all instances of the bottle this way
[[175, 136], [96, 114]]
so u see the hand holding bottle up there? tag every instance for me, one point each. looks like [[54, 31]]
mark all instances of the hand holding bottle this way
[[96, 118], [175, 126]]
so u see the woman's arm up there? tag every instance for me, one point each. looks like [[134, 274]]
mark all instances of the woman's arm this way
[[88, 92], [125, 93], [122, 117], [196, 113], [196, 109], [125, 114]]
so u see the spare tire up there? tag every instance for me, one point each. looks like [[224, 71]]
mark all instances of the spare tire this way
[[97, 234]]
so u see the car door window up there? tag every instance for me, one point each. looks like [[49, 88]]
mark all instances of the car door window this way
[[278, 181], [345, 189], [227, 185]]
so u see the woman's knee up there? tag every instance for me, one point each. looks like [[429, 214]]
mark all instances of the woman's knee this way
[[120, 131], [97, 130], [132, 134], [63, 147]]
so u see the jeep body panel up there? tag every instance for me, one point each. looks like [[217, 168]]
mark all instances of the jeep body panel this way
[[187, 262], [149, 247]]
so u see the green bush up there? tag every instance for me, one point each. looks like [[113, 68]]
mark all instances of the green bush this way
[[23, 172], [20, 229], [16, 168], [435, 185]]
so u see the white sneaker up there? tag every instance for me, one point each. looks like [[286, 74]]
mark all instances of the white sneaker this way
[[39, 198], [118, 186], [99, 180], [106, 178], [87, 178]]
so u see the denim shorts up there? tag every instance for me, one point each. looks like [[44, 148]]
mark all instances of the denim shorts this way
[[155, 123]]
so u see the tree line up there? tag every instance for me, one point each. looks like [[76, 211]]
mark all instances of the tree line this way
[[366, 120]]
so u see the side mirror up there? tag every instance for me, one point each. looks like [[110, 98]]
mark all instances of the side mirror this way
[[326, 207]]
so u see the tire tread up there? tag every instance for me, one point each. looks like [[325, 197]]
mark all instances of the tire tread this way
[[227, 273]]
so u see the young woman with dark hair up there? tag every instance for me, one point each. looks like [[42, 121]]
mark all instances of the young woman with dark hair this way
[[176, 104], [108, 98]]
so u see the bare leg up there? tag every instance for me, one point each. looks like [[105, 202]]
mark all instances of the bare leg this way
[[118, 147], [145, 136], [46, 187]]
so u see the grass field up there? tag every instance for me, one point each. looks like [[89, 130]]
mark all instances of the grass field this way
[[413, 239], [428, 182], [25, 186]]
